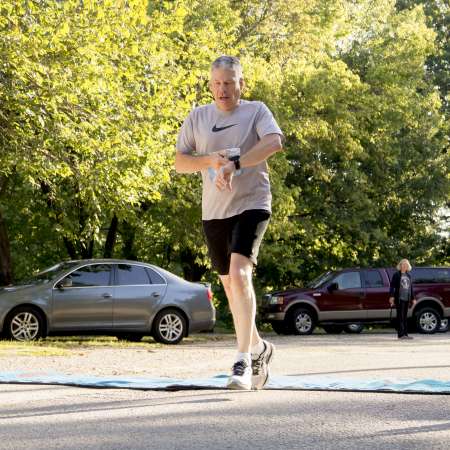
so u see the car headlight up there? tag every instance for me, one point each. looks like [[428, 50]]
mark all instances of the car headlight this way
[[276, 300]]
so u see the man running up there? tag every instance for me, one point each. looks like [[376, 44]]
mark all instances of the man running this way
[[229, 141]]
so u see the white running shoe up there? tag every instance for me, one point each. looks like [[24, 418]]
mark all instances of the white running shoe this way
[[241, 376], [260, 366]]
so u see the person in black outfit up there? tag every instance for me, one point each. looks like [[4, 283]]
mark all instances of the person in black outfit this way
[[402, 295]]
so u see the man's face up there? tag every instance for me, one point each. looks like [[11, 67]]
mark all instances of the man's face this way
[[226, 87]]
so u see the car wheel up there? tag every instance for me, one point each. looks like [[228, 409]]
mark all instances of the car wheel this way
[[444, 326], [24, 324], [333, 329], [130, 337], [302, 321], [428, 321], [354, 328], [169, 327], [280, 327]]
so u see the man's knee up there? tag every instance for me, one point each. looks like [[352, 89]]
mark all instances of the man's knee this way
[[240, 271]]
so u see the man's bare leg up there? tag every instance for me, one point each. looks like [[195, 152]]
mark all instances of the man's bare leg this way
[[242, 300]]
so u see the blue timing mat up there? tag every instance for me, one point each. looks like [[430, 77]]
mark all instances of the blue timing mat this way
[[305, 383]]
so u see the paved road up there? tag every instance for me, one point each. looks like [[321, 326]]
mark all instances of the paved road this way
[[51, 417]]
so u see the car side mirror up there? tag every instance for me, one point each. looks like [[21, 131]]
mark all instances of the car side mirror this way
[[333, 287], [65, 283]]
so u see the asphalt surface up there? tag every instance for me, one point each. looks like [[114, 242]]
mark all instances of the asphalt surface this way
[[54, 417]]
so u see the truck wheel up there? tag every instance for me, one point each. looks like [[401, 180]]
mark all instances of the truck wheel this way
[[428, 321], [301, 321], [354, 328], [333, 329]]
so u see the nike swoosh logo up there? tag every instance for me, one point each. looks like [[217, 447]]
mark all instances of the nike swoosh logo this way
[[215, 129]]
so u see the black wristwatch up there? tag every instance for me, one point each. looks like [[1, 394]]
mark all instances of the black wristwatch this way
[[237, 162]]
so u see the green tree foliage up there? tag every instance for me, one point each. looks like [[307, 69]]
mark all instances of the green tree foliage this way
[[85, 115]]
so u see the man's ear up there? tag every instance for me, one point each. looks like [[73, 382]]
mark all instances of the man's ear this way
[[242, 84]]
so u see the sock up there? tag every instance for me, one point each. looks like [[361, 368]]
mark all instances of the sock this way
[[258, 348], [243, 356]]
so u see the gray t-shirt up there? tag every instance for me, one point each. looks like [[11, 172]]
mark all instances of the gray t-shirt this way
[[405, 288], [208, 129]]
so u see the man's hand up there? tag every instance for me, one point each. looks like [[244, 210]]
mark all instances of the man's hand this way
[[225, 176], [391, 301], [218, 159], [413, 303]]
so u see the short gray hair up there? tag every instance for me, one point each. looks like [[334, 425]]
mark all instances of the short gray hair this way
[[228, 62], [404, 260]]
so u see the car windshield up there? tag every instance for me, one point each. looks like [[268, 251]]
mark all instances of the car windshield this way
[[48, 274], [314, 284]]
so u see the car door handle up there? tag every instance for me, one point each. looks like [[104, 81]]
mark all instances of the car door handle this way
[[155, 294], [106, 295]]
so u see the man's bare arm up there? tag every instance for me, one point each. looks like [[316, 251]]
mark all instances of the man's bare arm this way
[[185, 163], [266, 147]]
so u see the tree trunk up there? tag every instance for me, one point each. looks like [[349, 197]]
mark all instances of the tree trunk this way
[[111, 238], [128, 234], [87, 251], [191, 270], [71, 250], [6, 274]]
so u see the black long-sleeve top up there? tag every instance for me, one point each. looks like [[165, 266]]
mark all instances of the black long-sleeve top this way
[[395, 287]]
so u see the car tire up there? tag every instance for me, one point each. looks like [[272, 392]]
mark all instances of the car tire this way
[[427, 321], [24, 324], [279, 328], [444, 325], [301, 321], [354, 328], [169, 327], [333, 329], [130, 337]]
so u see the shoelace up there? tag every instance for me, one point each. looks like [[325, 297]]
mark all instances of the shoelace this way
[[239, 368], [258, 363]]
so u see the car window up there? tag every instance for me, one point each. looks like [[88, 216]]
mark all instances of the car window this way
[[50, 273], [92, 275], [430, 275], [321, 279], [131, 274], [348, 280], [155, 276], [373, 279]]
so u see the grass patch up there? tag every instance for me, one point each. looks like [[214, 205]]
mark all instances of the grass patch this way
[[65, 345], [38, 348]]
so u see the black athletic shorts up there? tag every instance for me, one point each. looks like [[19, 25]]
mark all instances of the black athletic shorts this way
[[237, 234]]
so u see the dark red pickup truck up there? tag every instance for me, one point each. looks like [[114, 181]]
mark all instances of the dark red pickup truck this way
[[338, 299]]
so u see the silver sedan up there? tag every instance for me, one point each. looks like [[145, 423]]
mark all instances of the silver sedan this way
[[127, 299]]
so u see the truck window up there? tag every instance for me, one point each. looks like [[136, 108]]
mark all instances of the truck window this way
[[348, 280], [373, 279], [430, 275]]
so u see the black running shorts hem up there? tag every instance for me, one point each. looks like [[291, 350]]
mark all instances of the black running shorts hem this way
[[241, 234]]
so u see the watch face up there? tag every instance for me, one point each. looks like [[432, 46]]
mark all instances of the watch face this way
[[233, 152]]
